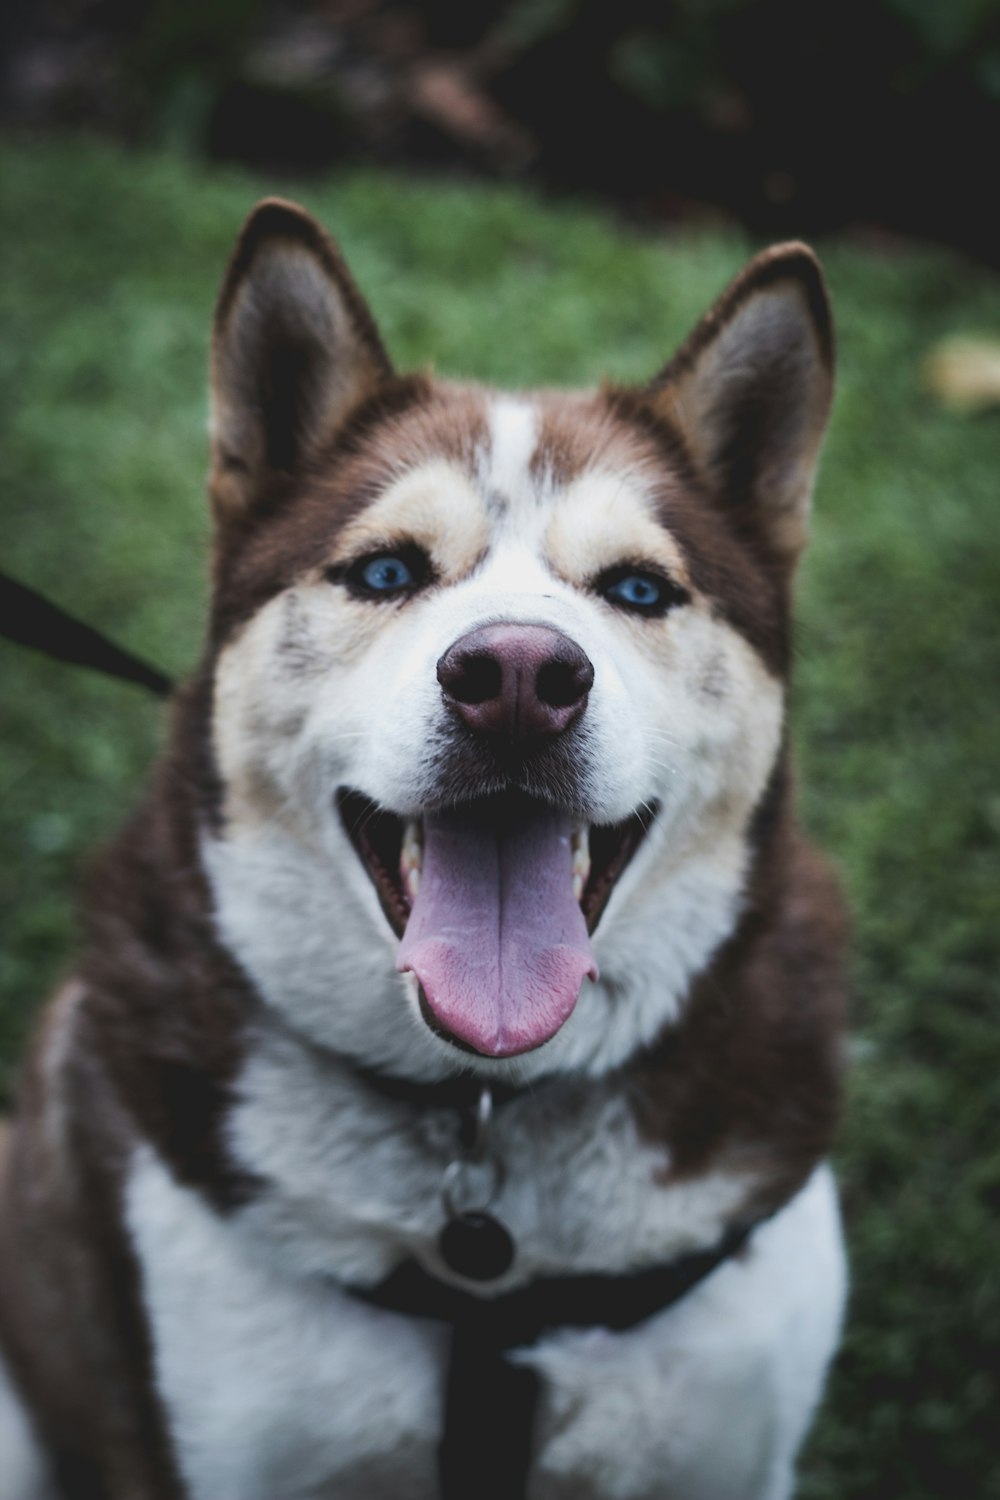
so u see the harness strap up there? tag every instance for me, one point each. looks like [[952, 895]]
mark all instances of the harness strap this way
[[489, 1415], [490, 1401], [28, 618]]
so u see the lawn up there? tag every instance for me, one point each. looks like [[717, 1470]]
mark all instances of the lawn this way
[[108, 267]]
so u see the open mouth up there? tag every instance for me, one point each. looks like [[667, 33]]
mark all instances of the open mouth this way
[[494, 902]]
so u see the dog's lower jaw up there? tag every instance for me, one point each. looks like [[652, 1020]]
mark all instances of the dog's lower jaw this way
[[309, 931]]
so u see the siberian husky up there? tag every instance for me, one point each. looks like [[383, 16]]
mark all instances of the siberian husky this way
[[465, 935]]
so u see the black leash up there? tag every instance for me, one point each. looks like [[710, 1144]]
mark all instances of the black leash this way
[[28, 618], [490, 1401]]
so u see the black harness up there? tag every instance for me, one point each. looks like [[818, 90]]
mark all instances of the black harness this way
[[490, 1400]]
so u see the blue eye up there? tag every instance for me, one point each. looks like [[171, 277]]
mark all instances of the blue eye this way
[[643, 593], [383, 575], [637, 590], [386, 575]]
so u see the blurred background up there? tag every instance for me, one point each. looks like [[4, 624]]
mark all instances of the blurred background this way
[[793, 118], [548, 191]]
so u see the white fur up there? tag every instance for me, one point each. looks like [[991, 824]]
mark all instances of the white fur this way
[[276, 1385], [279, 1383], [23, 1470], [503, 469], [353, 1180], [711, 1399]]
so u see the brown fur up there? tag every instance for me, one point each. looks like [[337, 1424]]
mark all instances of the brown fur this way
[[751, 1075]]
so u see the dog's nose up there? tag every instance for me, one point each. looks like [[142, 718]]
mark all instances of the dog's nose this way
[[521, 682]]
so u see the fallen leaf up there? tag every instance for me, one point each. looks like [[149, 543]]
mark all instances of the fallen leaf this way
[[964, 373]]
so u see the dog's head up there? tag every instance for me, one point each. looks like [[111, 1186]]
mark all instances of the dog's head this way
[[499, 680]]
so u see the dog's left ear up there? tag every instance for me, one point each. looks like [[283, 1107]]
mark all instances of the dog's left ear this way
[[294, 350], [750, 392]]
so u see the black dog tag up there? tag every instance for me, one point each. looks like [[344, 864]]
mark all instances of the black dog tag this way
[[476, 1245]]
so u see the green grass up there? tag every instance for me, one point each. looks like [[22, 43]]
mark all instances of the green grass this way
[[108, 267]]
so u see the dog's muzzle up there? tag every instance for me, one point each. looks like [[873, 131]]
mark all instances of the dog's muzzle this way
[[494, 888]]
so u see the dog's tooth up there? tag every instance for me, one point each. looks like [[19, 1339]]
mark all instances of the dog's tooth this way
[[411, 854], [411, 858], [580, 844]]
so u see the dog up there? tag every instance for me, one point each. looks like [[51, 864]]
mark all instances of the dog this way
[[442, 1102]]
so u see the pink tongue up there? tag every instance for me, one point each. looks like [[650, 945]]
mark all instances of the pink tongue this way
[[496, 936]]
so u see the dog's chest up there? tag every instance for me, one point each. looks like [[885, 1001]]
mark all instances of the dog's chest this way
[[353, 1182], [280, 1384]]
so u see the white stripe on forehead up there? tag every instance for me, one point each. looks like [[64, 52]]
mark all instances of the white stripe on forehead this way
[[514, 431]]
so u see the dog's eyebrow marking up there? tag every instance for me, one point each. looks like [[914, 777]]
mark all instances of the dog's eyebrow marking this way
[[435, 505], [513, 437], [603, 518]]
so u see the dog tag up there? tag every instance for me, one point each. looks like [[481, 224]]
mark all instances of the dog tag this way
[[476, 1245]]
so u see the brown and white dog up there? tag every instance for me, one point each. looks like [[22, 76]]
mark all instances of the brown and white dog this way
[[483, 780]]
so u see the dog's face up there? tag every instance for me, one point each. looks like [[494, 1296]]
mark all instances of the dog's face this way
[[499, 680]]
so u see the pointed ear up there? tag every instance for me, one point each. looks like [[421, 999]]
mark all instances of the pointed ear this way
[[750, 392], [294, 349]]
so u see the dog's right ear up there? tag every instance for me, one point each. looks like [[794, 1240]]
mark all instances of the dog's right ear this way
[[750, 393], [294, 350]]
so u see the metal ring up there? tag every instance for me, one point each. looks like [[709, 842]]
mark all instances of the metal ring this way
[[484, 1119], [471, 1183], [460, 1191]]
